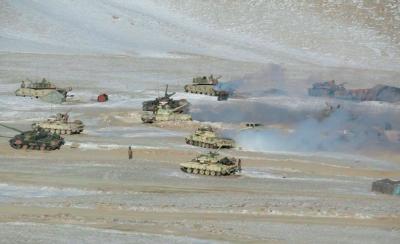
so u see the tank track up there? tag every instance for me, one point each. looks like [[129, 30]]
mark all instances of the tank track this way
[[42, 147], [200, 144], [205, 172], [62, 132], [195, 90], [203, 144]]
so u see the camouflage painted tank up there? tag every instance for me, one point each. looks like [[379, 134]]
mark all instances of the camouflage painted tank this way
[[166, 99], [206, 137], [37, 139], [60, 124], [44, 90], [212, 164], [207, 86], [164, 112]]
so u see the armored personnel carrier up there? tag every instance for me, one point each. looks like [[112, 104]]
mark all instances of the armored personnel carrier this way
[[37, 139], [212, 163], [44, 90], [164, 112], [166, 99], [60, 124], [206, 137], [207, 86]]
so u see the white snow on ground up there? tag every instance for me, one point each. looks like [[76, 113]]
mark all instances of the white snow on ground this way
[[261, 31], [12, 192]]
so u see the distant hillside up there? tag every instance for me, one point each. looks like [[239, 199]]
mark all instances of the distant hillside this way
[[358, 33]]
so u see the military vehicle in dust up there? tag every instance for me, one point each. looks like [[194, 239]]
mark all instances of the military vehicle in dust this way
[[60, 124], [213, 164], [206, 137], [37, 139], [164, 112], [166, 99], [328, 89], [207, 86], [44, 90]]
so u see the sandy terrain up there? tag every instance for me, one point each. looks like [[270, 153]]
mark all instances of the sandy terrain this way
[[90, 187]]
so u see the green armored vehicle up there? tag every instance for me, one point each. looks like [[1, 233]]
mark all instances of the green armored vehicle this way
[[164, 112], [44, 90], [207, 86], [213, 164], [60, 124], [206, 137], [151, 105], [37, 139]]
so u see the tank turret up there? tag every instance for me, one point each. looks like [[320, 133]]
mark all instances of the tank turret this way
[[60, 124], [150, 105], [213, 164], [206, 137], [37, 139], [164, 112], [207, 86]]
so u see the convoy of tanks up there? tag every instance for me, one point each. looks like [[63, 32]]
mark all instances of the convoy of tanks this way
[[46, 135]]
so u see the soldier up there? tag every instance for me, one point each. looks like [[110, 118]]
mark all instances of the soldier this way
[[23, 84], [240, 165], [129, 152]]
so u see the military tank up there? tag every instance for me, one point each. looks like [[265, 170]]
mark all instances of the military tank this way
[[213, 164], [44, 90], [327, 89], [207, 86], [206, 137], [164, 112], [37, 139], [166, 99], [60, 124]]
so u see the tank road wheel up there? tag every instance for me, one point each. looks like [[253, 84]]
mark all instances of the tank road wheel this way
[[189, 170], [202, 171], [218, 173], [212, 173], [195, 171], [42, 147], [207, 172]]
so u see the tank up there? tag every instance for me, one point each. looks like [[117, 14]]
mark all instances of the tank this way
[[166, 99], [164, 112], [60, 124], [43, 90], [37, 139], [206, 137], [207, 86], [213, 164], [327, 89]]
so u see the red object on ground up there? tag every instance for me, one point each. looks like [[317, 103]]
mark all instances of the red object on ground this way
[[102, 98]]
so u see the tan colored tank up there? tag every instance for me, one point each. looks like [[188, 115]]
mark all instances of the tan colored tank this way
[[43, 90], [164, 112], [207, 86], [212, 164], [60, 124], [206, 137]]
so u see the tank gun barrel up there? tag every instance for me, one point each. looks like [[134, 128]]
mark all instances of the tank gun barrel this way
[[177, 108], [6, 136], [11, 128]]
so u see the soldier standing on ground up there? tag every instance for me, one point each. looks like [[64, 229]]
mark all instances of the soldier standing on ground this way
[[130, 152]]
